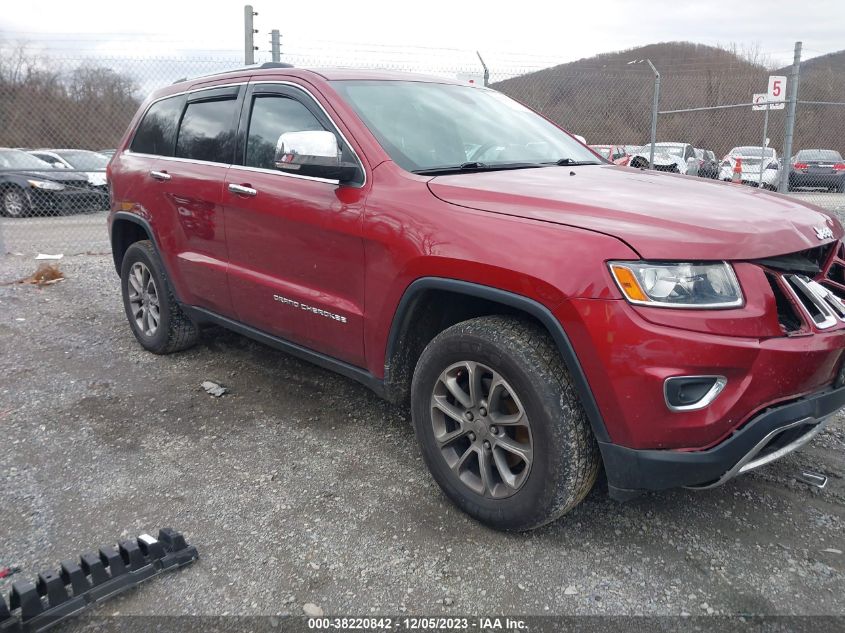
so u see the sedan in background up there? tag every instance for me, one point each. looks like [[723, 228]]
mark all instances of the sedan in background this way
[[818, 168], [91, 165], [759, 166], [708, 165], [678, 158], [30, 186]]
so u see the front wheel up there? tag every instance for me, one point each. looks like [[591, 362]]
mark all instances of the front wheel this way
[[15, 203], [500, 425]]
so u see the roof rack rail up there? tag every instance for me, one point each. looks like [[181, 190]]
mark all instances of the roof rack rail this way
[[223, 72]]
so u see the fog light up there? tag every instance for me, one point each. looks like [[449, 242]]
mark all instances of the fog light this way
[[690, 393]]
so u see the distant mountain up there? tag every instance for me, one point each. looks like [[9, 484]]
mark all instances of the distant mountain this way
[[608, 100]]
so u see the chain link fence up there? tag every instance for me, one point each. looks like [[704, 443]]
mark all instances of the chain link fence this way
[[61, 117]]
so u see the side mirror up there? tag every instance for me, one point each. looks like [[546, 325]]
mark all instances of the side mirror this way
[[313, 153]]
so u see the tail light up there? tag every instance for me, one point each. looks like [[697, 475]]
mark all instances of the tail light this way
[[839, 166], [800, 165]]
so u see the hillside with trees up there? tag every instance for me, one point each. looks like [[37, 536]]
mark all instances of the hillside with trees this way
[[608, 100], [43, 104]]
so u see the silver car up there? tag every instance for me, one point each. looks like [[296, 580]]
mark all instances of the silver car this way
[[677, 158], [759, 166]]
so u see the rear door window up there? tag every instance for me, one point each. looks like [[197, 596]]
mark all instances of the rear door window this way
[[156, 134], [207, 130]]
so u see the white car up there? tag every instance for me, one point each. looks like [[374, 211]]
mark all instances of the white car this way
[[678, 158], [91, 164], [760, 166]]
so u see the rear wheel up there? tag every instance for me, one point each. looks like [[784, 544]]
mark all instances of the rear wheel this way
[[153, 313], [500, 425], [15, 204]]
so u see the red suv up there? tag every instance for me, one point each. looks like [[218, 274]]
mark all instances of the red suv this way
[[543, 312]]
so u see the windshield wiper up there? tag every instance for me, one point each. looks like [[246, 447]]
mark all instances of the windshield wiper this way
[[569, 162], [473, 166]]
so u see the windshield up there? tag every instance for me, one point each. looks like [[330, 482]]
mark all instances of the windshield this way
[[819, 154], [429, 125], [752, 151], [89, 161], [16, 159]]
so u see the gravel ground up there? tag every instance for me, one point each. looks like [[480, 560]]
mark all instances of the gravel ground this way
[[299, 486]]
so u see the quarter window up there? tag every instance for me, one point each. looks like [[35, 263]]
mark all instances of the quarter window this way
[[207, 131], [156, 133], [271, 117]]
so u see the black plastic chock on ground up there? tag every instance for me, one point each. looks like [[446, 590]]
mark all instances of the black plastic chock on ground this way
[[96, 577]]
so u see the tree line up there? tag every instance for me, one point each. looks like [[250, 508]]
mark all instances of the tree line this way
[[43, 104]]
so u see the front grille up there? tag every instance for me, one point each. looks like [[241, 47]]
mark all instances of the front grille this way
[[787, 316], [808, 286]]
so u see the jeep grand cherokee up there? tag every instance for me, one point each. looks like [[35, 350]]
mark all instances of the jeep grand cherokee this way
[[543, 312]]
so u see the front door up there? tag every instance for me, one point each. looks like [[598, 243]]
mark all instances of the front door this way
[[296, 254]]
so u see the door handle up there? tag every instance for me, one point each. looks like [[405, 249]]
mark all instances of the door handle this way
[[160, 175], [242, 190]]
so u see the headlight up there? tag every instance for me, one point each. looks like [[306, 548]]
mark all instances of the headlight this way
[[678, 285], [46, 184]]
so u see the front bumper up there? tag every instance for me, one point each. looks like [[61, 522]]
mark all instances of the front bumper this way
[[769, 436], [46, 202]]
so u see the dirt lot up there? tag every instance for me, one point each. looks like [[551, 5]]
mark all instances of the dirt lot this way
[[299, 486]]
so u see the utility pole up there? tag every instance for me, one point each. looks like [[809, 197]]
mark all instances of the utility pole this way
[[654, 107], [486, 71], [276, 45], [249, 31], [792, 102]]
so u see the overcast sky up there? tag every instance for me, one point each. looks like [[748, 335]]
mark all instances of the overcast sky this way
[[524, 33]]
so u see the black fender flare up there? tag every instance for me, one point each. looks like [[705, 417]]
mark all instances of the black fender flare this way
[[135, 219], [537, 310]]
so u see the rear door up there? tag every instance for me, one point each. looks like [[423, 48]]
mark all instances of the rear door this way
[[296, 254], [190, 188]]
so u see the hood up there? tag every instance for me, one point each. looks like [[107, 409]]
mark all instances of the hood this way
[[660, 215]]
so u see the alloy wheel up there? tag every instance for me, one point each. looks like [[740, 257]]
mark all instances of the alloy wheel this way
[[482, 429], [143, 299], [14, 203]]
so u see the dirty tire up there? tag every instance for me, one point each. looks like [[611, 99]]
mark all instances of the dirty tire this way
[[566, 459], [175, 331]]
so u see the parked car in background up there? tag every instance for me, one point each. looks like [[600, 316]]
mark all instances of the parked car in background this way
[[819, 169], [677, 158], [91, 165], [708, 165], [37, 188], [760, 166], [106, 152], [614, 153]]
